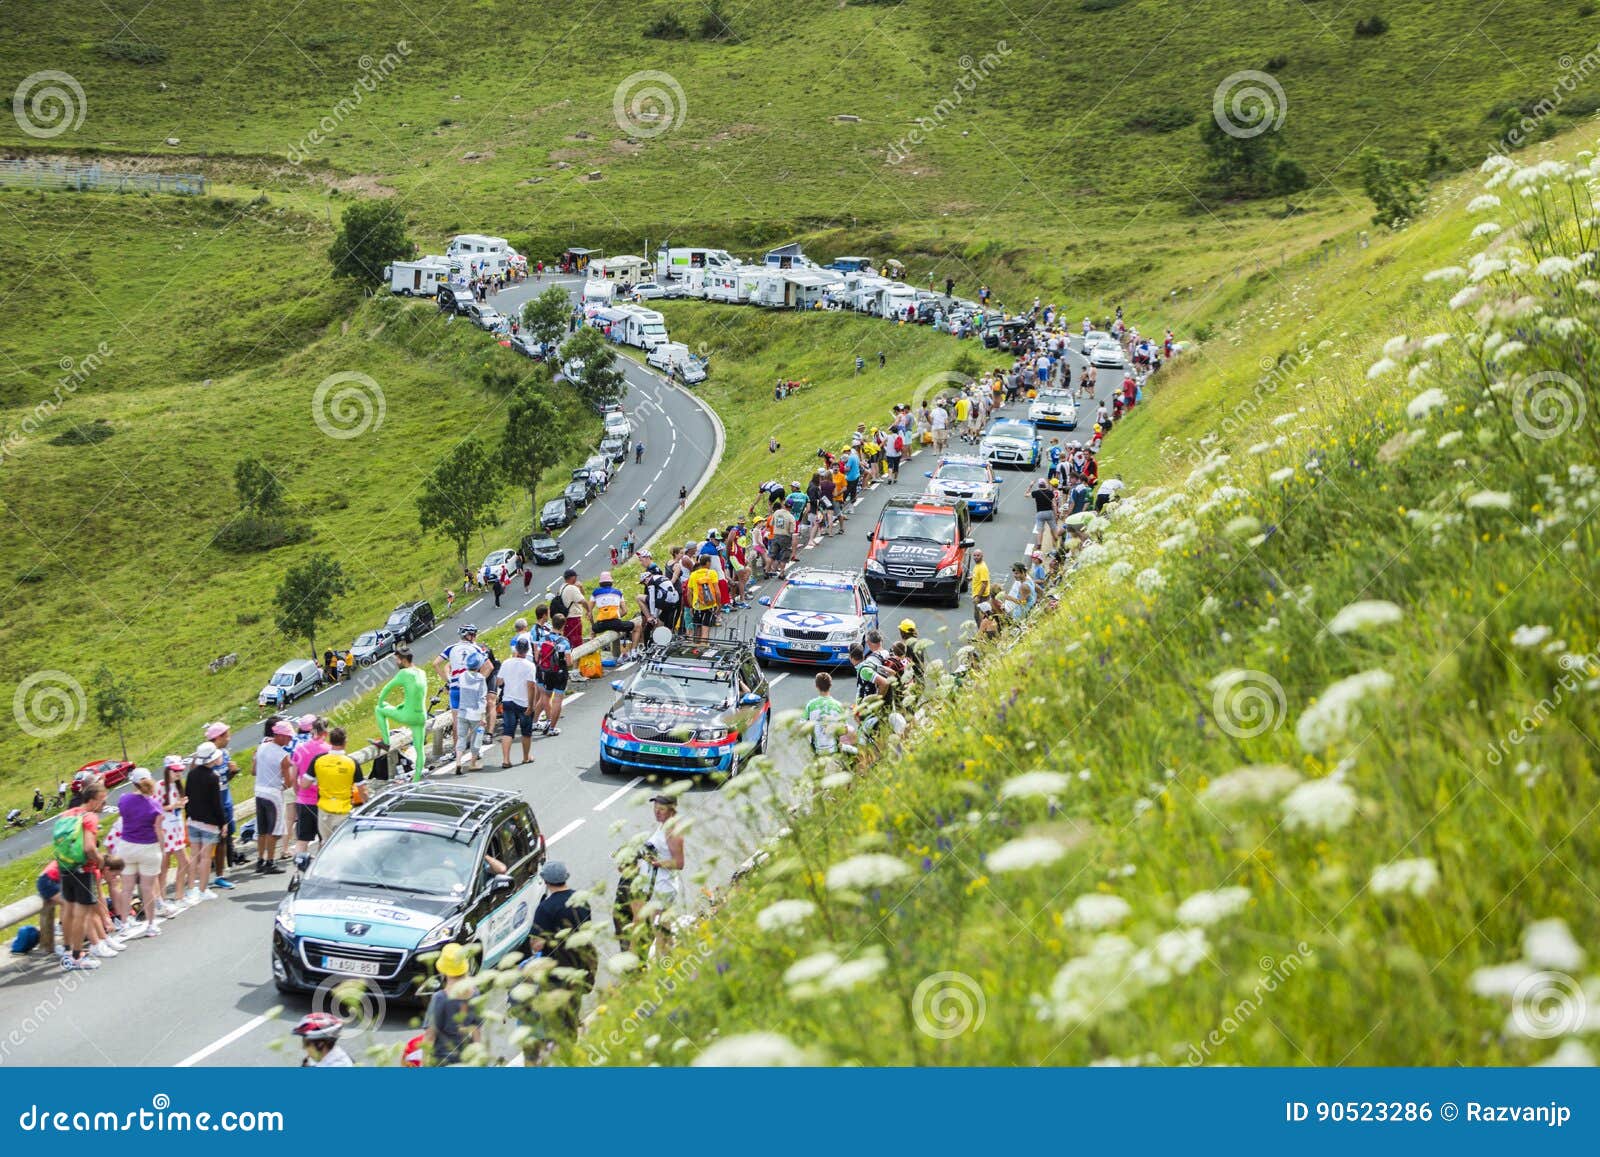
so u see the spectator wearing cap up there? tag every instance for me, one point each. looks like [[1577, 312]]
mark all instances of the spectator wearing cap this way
[[174, 835], [660, 861], [224, 855], [518, 695], [305, 732], [913, 642], [573, 603], [140, 847], [451, 1023], [203, 790], [274, 777], [607, 604], [559, 916]]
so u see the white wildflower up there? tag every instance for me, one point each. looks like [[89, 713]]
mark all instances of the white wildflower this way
[[752, 1050], [1149, 580], [1328, 720], [1483, 270], [622, 962], [1448, 273], [1501, 979], [1449, 438], [1549, 944], [1465, 297], [1489, 500], [1280, 476], [1092, 984], [784, 915], [853, 972], [1364, 615], [1258, 783], [1509, 350], [1434, 340], [1175, 953], [811, 968], [1483, 203], [1426, 403], [1035, 785], [1207, 908], [873, 870], [1319, 805], [1284, 419], [1096, 911], [1486, 229], [1119, 571], [1024, 853], [1380, 367], [1526, 636], [1416, 877], [1556, 266]]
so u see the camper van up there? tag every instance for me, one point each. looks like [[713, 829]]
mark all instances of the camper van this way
[[792, 288], [721, 285], [887, 299], [674, 358], [851, 265], [641, 328], [597, 293], [788, 257], [484, 254], [609, 320], [690, 266], [625, 268], [418, 278]]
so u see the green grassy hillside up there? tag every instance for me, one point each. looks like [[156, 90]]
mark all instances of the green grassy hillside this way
[[1300, 771]]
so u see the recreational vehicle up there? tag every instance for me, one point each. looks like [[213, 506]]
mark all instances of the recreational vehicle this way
[[788, 257], [641, 328], [484, 254], [625, 268], [690, 266], [674, 358], [598, 293], [420, 278]]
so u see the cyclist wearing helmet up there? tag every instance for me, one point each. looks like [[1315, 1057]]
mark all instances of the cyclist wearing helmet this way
[[319, 1036]]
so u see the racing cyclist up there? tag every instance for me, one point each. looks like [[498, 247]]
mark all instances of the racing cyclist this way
[[319, 1037]]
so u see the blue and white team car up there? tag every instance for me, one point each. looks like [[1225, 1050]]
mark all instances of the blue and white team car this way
[[970, 479], [815, 617], [419, 867]]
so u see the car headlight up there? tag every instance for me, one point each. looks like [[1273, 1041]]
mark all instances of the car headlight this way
[[440, 934], [285, 918], [874, 566], [947, 571], [848, 635], [766, 631], [712, 734]]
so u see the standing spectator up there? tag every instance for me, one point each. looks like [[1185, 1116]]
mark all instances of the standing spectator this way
[[451, 1023], [174, 836], [336, 776], [558, 917], [574, 604], [474, 699], [274, 774], [660, 862], [552, 663], [74, 834], [140, 847], [949, 287], [203, 790], [48, 885], [517, 679], [305, 785]]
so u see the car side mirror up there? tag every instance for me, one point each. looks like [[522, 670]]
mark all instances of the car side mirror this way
[[502, 883], [765, 600], [968, 543], [869, 536], [616, 684], [302, 862], [927, 473]]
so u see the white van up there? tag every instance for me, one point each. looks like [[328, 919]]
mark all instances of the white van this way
[[642, 328], [674, 355], [484, 254], [690, 266]]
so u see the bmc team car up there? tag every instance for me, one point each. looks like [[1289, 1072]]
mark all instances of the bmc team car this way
[[969, 479], [405, 875], [920, 546], [815, 617], [698, 706]]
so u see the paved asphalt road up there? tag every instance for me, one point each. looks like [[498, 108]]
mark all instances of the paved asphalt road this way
[[202, 993]]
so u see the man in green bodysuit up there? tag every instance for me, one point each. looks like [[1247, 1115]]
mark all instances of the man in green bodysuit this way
[[412, 711]]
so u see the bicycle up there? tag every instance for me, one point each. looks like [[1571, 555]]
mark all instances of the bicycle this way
[[641, 514]]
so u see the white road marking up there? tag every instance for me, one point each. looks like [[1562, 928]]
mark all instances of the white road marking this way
[[564, 832], [573, 698], [470, 605], [218, 1045], [776, 679], [619, 793]]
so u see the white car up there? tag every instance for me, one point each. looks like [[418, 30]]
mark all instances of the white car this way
[[1106, 355], [815, 617], [648, 291], [969, 479], [617, 424], [495, 560], [1054, 409]]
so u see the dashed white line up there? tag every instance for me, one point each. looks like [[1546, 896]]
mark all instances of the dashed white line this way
[[619, 793], [221, 1043], [776, 679], [564, 832]]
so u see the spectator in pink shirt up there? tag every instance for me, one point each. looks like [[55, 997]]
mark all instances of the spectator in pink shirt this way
[[305, 794]]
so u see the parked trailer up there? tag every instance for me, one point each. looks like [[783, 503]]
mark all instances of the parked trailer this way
[[626, 268]]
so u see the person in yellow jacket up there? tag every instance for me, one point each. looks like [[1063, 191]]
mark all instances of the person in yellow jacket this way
[[982, 585]]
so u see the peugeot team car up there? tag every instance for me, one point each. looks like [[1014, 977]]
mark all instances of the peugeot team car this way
[[815, 617], [1011, 442], [405, 875], [920, 547], [1054, 410], [967, 478], [698, 706]]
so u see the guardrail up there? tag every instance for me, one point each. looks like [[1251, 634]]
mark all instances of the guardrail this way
[[94, 178]]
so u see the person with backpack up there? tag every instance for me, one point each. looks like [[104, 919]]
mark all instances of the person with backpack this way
[[74, 837], [894, 449], [202, 788], [551, 661], [704, 596], [660, 604]]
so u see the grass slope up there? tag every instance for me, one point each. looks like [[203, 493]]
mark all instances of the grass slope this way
[[1074, 866]]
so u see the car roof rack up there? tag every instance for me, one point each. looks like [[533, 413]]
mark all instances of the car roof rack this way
[[722, 647]]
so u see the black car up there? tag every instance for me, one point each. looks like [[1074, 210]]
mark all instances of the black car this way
[[453, 300], [577, 493], [1007, 335], [421, 866], [542, 549], [615, 448], [558, 512], [410, 621]]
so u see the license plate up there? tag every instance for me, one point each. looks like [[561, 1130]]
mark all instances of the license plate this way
[[351, 967], [911, 584], [803, 646], [658, 749]]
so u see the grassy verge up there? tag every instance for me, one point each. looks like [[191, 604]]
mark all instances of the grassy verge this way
[[1299, 772]]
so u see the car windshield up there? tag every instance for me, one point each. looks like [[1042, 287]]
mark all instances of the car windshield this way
[[962, 472], [662, 685], [828, 600], [368, 639], [925, 525], [283, 679], [1055, 398], [1010, 430], [398, 619], [380, 857]]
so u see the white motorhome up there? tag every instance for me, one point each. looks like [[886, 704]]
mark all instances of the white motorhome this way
[[598, 293], [420, 278], [641, 328], [788, 257], [484, 254], [858, 288], [673, 357], [722, 285], [893, 299], [626, 268], [690, 266]]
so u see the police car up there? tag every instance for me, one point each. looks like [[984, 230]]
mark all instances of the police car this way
[[405, 875], [968, 478], [814, 618], [1054, 410], [695, 706]]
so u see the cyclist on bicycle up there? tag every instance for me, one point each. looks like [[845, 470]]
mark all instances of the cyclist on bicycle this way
[[641, 509]]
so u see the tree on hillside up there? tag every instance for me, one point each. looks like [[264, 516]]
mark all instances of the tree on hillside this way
[[1395, 194], [534, 440], [545, 317], [115, 704], [1436, 159], [371, 235], [458, 498], [1248, 166], [258, 487], [600, 382], [305, 597]]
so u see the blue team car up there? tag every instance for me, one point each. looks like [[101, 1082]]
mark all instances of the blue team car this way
[[815, 617]]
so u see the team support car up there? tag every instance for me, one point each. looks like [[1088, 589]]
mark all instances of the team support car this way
[[1054, 410], [969, 479], [1010, 442], [920, 546], [695, 706], [815, 617], [544, 550], [505, 557], [1106, 355], [421, 866]]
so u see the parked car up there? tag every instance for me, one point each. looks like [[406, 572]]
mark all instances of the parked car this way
[[648, 291], [410, 621], [370, 646], [542, 549], [616, 423], [452, 300], [558, 512], [527, 347], [112, 772], [615, 447], [289, 682], [577, 493], [483, 316], [344, 918], [494, 561]]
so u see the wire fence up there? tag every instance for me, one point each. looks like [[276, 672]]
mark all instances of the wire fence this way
[[94, 178]]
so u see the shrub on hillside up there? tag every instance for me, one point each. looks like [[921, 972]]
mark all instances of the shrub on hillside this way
[[1395, 195], [131, 51], [96, 431], [1277, 63], [32, 575], [667, 26], [1165, 118], [714, 25], [1372, 26], [251, 534], [1101, 5]]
